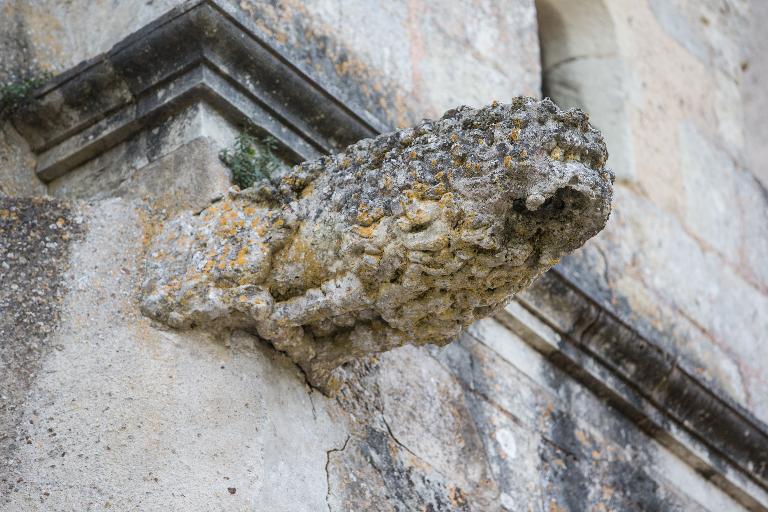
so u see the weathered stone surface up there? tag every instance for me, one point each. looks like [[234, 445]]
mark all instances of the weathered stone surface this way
[[35, 239], [17, 176], [107, 413], [123, 415], [406, 238]]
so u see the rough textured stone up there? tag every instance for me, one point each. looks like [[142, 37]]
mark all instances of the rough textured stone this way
[[406, 238], [16, 166], [107, 413], [35, 238]]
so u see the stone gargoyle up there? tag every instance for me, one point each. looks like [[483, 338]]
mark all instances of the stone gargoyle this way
[[405, 238]]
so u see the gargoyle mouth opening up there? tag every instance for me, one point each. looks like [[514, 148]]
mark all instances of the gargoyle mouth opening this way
[[564, 199]]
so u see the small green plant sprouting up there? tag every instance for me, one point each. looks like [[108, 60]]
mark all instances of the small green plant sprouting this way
[[251, 159], [15, 94]]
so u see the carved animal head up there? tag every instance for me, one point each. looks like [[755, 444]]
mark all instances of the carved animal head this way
[[405, 238]]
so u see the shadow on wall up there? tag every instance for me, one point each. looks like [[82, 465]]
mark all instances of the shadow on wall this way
[[581, 67]]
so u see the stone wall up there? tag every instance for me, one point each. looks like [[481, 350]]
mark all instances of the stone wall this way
[[105, 408], [401, 60], [683, 255]]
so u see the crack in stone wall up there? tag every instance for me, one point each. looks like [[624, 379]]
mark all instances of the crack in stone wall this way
[[405, 238]]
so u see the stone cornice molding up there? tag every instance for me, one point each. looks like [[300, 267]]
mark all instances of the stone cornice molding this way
[[203, 50], [712, 433]]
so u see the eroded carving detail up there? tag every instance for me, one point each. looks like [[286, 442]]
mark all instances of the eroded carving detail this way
[[405, 238]]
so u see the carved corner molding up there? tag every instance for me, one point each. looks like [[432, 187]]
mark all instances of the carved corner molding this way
[[206, 51], [716, 436], [203, 50]]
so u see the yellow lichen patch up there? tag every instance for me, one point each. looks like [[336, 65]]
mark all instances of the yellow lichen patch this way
[[454, 137], [573, 155], [229, 221], [364, 217], [557, 153], [365, 231], [514, 135], [208, 213], [446, 199], [241, 259], [440, 189], [554, 507], [258, 226], [421, 212], [413, 155], [523, 154], [208, 266], [306, 191], [293, 181], [300, 254], [508, 162]]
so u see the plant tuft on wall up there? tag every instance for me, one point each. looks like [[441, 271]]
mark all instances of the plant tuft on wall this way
[[16, 94], [251, 159]]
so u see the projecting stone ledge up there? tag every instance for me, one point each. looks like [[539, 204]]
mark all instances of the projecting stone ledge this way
[[405, 238]]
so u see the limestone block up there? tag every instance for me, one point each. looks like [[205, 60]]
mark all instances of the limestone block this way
[[405, 238]]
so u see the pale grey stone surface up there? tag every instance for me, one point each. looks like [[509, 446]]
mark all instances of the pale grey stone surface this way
[[122, 416], [149, 165], [753, 90], [127, 415], [688, 233], [582, 67], [17, 176], [406, 238]]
